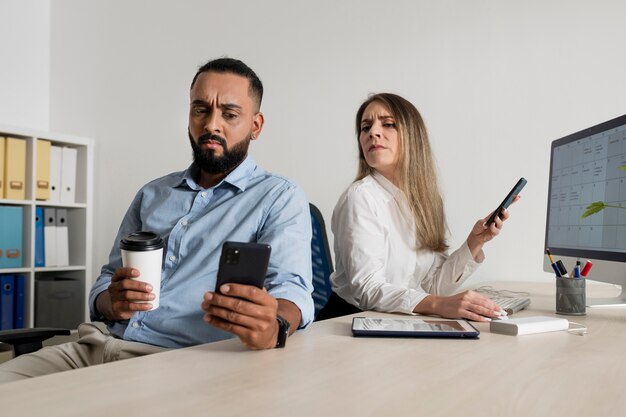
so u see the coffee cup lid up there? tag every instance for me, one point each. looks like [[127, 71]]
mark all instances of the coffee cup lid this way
[[141, 241]]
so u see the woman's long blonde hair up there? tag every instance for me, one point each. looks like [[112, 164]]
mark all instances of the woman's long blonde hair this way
[[417, 172]]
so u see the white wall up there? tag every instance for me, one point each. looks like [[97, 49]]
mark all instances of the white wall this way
[[495, 80], [25, 63]]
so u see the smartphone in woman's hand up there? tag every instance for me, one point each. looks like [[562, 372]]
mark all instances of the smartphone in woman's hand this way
[[507, 200]]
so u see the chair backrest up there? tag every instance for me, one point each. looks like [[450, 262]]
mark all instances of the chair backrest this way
[[322, 262]]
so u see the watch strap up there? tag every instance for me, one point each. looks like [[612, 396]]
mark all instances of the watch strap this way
[[283, 331]]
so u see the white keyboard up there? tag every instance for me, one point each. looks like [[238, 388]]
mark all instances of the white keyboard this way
[[511, 304]]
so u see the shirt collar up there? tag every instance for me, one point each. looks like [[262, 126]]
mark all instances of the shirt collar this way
[[387, 185], [238, 177], [397, 195]]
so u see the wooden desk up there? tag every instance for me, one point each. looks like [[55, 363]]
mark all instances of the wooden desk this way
[[324, 371]]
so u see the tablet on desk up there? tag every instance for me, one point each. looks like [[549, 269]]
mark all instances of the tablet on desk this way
[[412, 327]]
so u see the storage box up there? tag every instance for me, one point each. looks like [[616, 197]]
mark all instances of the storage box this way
[[59, 302]]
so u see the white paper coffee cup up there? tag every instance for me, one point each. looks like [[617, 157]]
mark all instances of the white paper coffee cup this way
[[144, 252]]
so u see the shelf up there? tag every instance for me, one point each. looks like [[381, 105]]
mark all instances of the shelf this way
[[79, 218]]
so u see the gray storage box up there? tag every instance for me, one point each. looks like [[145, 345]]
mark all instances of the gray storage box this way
[[59, 302]]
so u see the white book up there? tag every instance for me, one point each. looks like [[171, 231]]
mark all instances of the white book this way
[[50, 236], [528, 325], [68, 175], [62, 239], [56, 155]]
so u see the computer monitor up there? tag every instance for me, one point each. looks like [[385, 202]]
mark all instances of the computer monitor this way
[[585, 167]]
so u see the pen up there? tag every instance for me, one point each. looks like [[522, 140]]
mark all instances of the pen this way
[[586, 269], [561, 267], [556, 268], [577, 269]]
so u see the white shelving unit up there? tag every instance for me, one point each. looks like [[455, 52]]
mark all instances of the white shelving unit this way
[[79, 215]]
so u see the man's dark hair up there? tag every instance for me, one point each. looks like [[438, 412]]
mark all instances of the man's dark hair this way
[[237, 67]]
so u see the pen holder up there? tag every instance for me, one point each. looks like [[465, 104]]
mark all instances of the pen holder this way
[[571, 296]]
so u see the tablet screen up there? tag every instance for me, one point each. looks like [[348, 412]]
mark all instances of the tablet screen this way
[[412, 327]]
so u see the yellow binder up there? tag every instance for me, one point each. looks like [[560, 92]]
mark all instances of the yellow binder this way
[[1, 168], [15, 169], [42, 183]]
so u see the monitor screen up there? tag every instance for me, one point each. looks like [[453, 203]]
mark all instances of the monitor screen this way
[[586, 167]]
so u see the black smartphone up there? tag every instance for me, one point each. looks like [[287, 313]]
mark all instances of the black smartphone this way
[[507, 200], [243, 263]]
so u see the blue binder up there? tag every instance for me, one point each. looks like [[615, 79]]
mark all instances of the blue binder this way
[[11, 237], [18, 301], [6, 302], [40, 256]]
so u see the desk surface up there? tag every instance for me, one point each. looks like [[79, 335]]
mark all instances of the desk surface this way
[[326, 371]]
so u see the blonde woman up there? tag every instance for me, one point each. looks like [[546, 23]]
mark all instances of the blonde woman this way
[[390, 232]]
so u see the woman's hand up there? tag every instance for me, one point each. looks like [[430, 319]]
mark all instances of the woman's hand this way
[[481, 233], [466, 305]]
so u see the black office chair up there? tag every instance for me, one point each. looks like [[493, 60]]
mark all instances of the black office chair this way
[[29, 340], [322, 262]]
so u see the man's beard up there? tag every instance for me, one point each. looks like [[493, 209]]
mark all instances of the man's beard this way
[[211, 164]]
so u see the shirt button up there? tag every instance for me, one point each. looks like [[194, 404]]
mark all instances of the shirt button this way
[[203, 194], [135, 325], [184, 222], [172, 258]]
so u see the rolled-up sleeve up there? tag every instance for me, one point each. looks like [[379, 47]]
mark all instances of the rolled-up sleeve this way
[[287, 229], [131, 223], [450, 271]]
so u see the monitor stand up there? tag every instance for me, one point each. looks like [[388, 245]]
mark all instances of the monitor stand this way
[[619, 301]]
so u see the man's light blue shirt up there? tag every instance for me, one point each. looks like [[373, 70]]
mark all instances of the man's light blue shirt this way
[[249, 205]]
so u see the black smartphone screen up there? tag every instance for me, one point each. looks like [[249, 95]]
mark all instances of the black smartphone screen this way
[[507, 200], [243, 263]]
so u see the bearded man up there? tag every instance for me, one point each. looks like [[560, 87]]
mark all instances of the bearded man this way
[[222, 196]]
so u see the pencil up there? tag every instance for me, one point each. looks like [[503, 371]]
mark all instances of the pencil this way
[[550, 255]]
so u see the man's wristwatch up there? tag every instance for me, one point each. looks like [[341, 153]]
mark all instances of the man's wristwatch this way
[[283, 331]]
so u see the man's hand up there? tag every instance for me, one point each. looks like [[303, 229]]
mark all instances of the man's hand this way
[[245, 311], [119, 302]]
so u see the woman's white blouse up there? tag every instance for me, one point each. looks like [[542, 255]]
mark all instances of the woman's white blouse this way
[[377, 264]]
